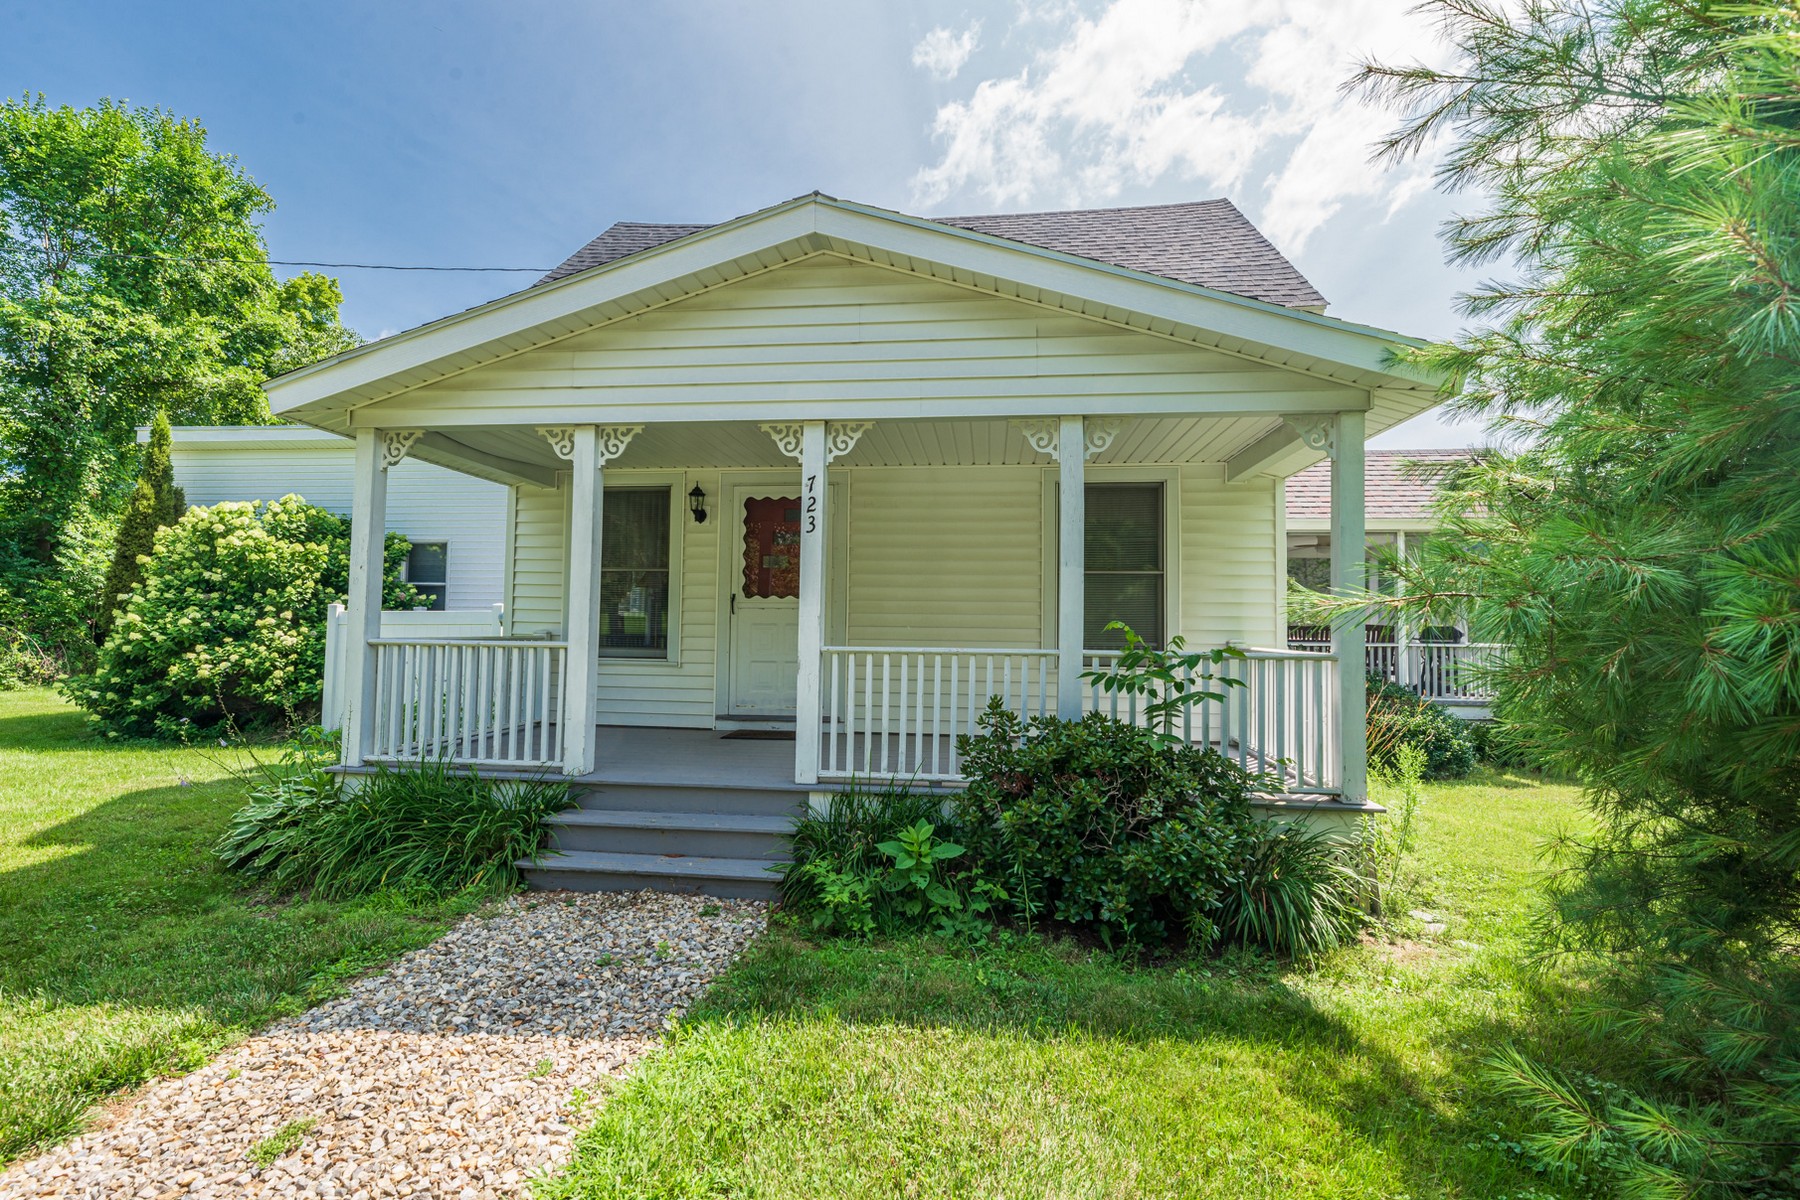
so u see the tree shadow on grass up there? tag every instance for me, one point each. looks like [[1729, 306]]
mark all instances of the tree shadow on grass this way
[[1274, 1043]]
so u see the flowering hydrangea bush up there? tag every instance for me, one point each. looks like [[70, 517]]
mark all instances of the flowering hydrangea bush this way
[[228, 625]]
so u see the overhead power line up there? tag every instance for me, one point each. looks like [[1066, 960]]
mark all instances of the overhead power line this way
[[333, 266]]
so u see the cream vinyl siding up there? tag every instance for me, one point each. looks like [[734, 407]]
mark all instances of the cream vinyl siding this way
[[631, 691], [540, 536], [425, 502], [1231, 570], [833, 330], [948, 557]]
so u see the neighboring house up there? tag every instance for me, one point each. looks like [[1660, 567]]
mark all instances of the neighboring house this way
[[839, 474], [457, 524], [1399, 487]]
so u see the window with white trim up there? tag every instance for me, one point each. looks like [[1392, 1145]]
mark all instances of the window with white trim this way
[[1126, 564], [428, 570], [634, 573]]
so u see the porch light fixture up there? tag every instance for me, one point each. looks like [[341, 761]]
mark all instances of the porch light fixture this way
[[697, 505]]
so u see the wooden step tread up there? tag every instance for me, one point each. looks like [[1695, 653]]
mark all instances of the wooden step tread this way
[[674, 865], [703, 822]]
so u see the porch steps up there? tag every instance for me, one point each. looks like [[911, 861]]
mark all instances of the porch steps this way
[[636, 834]]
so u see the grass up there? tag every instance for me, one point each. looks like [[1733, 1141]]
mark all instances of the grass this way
[[125, 951], [1040, 1068], [282, 1142]]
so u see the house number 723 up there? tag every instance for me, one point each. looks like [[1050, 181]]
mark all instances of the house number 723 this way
[[812, 505]]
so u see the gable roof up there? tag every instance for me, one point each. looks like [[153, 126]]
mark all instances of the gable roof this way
[[1208, 243], [1392, 490], [1331, 353]]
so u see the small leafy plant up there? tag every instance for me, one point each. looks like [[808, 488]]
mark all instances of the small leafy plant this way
[[1169, 680], [917, 878]]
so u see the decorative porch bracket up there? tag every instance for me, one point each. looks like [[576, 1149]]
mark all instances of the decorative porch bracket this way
[[610, 440], [396, 444], [840, 438], [1045, 435], [1316, 432]]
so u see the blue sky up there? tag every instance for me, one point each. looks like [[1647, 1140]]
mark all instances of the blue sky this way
[[506, 134]]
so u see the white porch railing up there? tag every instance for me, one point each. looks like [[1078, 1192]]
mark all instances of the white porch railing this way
[[896, 710], [1283, 719], [479, 701], [476, 623], [1435, 670]]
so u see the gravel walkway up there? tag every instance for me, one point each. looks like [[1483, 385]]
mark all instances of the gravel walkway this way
[[449, 1075]]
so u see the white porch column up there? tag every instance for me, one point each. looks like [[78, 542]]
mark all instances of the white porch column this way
[[1348, 637], [375, 451], [580, 713], [813, 514], [362, 620], [1071, 568]]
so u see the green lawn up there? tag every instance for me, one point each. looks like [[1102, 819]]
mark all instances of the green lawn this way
[[1044, 1070], [124, 951]]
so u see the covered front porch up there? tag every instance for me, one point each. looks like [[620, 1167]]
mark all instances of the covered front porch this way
[[693, 668]]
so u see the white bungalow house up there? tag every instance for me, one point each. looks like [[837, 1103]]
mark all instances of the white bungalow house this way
[[836, 474]]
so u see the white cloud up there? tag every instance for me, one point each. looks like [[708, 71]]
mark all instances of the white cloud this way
[[1239, 96], [943, 53]]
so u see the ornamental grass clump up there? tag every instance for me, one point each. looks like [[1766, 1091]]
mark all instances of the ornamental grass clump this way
[[227, 627], [424, 828]]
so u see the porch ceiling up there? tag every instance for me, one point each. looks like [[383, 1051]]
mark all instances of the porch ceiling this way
[[483, 450]]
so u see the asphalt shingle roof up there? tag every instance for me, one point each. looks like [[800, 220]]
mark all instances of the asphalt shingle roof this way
[[1203, 242], [1391, 490]]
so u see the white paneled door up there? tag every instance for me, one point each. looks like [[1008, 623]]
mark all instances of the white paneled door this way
[[763, 576]]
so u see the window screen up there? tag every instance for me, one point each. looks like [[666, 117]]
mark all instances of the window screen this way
[[634, 573], [1125, 564], [428, 570]]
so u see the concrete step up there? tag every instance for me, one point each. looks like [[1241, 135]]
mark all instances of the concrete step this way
[[690, 798], [704, 834], [596, 871]]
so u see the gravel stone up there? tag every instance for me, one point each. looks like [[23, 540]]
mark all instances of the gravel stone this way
[[454, 1073]]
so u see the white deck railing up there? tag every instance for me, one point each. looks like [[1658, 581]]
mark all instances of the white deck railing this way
[[895, 711], [1279, 716], [1436, 670], [479, 701]]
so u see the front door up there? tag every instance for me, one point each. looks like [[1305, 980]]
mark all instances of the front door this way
[[764, 578]]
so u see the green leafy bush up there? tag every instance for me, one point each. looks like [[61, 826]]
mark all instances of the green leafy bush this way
[[1398, 717], [227, 627], [1106, 825], [425, 828]]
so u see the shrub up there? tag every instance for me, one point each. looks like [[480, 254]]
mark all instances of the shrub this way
[[423, 828], [1398, 717], [1103, 824], [228, 626]]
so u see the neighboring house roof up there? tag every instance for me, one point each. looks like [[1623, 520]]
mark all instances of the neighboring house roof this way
[[1208, 243], [1392, 491]]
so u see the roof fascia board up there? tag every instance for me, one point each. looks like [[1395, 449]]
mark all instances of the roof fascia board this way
[[557, 406]]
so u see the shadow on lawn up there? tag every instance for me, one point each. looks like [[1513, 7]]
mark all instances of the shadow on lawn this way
[[1426, 1121]]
